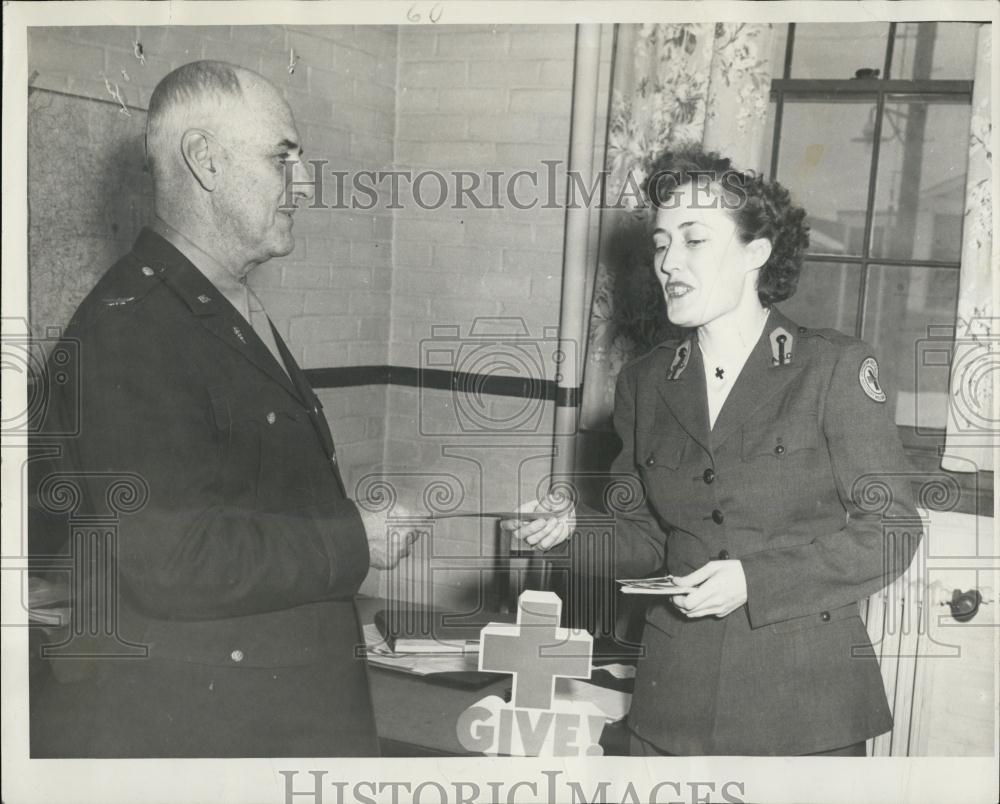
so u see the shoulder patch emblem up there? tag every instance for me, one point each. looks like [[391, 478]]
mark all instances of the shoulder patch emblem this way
[[868, 376]]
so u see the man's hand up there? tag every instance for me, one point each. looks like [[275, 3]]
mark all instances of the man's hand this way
[[545, 533], [722, 588], [389, 537]]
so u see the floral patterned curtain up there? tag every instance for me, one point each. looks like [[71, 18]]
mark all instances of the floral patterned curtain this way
[[672, 85], [975, 368]]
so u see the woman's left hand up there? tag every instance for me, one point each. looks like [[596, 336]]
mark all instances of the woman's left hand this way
[[721, 589]]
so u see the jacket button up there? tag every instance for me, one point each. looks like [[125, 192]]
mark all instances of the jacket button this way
[[825, 616], [271, 418], [779, 450], [236, 655], [147, 271], [723, 555], [708, 476], [717, 516], [333, 459], [650, 460]]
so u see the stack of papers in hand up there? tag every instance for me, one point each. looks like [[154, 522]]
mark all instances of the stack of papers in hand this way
[[663, 585]]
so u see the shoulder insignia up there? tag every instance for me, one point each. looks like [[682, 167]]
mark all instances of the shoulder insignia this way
[[680, 361], [118, 301], [781, 346], [868, 376]]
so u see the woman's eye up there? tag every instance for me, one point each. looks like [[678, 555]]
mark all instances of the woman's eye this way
[[695, 243]]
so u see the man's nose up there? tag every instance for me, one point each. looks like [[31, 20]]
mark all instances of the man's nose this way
[[303, 182]]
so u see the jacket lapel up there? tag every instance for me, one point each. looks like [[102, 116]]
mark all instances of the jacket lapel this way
[[684, 394], [762, 377], [209, 307]]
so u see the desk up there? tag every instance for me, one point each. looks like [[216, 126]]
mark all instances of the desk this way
[[416, 716]]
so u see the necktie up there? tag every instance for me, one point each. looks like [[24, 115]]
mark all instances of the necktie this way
[[262, 326]]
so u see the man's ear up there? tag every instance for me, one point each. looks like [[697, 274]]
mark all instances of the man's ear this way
[[199, 157], [758, 252]]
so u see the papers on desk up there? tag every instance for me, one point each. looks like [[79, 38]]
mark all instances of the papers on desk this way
[[612, 703], [421, 664]]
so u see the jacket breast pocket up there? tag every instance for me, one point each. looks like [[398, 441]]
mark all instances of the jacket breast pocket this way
[[782, 439], [658, 450]]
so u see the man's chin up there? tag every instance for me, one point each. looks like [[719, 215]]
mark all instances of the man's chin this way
[[283, 247]]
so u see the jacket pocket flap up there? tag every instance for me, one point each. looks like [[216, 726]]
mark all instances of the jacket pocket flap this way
[[656, 449], [816, 620], [784, 437]]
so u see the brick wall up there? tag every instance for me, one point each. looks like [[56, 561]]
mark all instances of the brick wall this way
[[478, 98]]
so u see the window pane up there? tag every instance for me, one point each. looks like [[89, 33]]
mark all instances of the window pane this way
[[921, 183], [827, 296], [826, 163], [945, 50], [838, 50], [905, 309]]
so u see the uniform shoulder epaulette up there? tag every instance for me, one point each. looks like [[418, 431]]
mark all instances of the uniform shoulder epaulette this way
[[831, 335], [121, 289]]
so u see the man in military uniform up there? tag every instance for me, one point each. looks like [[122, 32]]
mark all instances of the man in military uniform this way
[[237, 574]]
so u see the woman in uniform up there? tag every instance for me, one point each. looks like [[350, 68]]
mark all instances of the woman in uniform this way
[[773, 476]]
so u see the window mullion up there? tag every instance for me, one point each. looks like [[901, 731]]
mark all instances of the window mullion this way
[[870, 214]]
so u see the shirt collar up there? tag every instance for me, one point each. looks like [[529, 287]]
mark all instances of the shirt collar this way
[[213, 270]]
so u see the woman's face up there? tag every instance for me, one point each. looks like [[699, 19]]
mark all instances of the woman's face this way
[[700, 261]]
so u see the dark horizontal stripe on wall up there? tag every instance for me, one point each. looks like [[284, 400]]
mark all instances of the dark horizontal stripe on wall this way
[[443, 380]]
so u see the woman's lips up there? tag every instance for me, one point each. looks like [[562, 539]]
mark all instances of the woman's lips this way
[[675, 290]]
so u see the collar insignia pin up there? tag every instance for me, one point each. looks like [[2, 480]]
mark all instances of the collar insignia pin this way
[[239, 334], [204, 299], [781, 347], [680, 360]]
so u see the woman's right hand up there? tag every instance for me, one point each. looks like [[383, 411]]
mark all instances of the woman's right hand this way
[[543, 533]]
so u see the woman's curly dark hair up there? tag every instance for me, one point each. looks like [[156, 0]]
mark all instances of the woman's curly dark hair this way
[[759, 208]]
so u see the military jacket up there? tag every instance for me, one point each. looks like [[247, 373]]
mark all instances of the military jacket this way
[[238, 569], [803, 480]]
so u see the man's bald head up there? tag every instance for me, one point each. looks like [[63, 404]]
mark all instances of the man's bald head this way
[[201, 94]]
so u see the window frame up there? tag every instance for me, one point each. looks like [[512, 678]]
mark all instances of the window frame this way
[[923, 445]]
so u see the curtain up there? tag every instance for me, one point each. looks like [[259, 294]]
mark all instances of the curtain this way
[[671, 85], [975, 368]]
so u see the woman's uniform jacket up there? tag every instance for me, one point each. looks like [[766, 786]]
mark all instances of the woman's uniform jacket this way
[[237, 573], [802, 479]]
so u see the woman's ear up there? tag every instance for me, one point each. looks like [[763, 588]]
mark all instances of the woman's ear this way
[[758, 252], [196, 147]]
